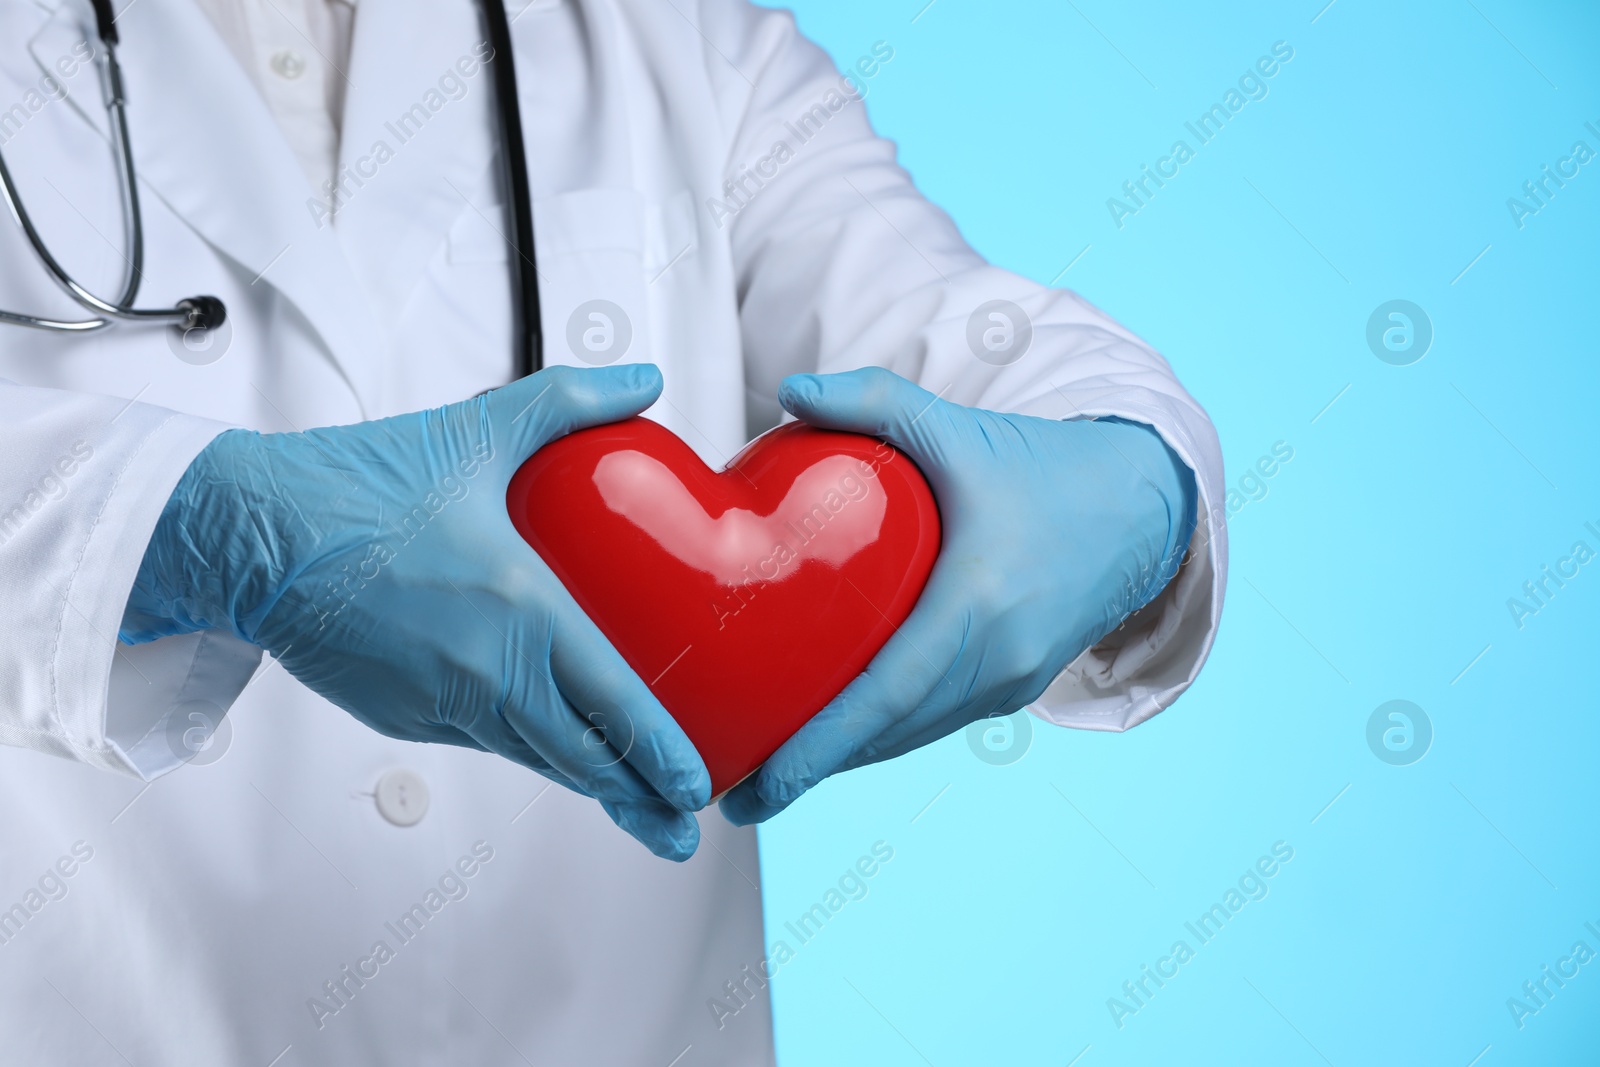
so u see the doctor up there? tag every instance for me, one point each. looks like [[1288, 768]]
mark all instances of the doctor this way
[[262, 878]]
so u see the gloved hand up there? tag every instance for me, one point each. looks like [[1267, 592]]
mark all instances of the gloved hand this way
[[1054, 532], [377, 563]]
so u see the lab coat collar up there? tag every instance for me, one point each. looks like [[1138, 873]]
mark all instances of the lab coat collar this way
[[206, 144], [416, 140]]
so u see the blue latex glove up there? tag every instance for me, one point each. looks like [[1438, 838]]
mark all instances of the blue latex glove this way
[[1054, 532], [378, 564]]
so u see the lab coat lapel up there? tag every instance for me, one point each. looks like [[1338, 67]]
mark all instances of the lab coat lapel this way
[[206, 144], [416, 141]]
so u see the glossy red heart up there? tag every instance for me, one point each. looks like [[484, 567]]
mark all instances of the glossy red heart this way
[[747, 598]]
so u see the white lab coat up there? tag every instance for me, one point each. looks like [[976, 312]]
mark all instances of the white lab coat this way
[[206, 910]]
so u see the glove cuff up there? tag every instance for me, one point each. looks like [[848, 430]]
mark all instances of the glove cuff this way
[[209, 561]]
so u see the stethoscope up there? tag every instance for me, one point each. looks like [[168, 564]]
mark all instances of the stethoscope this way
[[208, 312]]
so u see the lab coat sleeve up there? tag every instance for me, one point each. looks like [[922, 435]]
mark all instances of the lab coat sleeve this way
[[842, 263], [82, 484]]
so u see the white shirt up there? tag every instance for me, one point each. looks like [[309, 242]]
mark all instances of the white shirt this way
[[297, 52]]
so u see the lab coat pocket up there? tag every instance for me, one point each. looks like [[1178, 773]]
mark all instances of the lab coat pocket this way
[[591, 277], [595, 252], [599, 251]]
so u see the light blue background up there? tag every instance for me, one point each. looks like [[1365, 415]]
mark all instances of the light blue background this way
[[1378, 566]]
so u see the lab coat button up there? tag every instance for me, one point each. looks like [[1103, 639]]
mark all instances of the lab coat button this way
[[288, 65], [402, 797]]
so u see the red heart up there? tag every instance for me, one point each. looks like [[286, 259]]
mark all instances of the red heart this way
[[747, 598]]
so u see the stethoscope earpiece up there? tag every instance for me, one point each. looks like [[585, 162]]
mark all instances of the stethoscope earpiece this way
[[205, 313]]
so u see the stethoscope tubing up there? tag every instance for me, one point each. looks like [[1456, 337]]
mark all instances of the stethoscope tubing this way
[[530, 347], [208, 312], [201, 312]]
